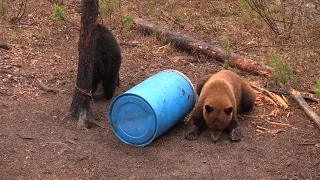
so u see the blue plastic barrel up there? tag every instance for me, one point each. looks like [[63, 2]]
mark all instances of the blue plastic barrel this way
[[149, 109]]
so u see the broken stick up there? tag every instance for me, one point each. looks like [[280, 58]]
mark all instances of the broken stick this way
[[305, 95], [43, 87], [193, 45], [296, 95], [275, 97]]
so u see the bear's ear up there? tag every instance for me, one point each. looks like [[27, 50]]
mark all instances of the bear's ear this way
[[228, 110], [208, 108]]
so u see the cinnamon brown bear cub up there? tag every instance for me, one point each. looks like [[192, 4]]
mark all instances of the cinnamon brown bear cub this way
[[221, 97]]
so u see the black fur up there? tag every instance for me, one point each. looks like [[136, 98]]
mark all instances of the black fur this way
[[107, 61]]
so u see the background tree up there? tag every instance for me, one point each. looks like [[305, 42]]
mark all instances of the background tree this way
[[80, 106]]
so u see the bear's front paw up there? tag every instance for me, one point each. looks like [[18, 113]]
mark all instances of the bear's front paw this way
[[193, 135], [235, 135]]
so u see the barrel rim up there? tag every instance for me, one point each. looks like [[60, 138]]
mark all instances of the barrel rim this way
[[154, 134]]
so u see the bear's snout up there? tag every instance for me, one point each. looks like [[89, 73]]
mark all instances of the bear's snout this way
[[215, 134]]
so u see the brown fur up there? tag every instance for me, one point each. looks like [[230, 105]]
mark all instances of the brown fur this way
[[221, 97]]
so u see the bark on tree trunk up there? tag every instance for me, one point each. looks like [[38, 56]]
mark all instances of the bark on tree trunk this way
[[193, 45], [80, 106]]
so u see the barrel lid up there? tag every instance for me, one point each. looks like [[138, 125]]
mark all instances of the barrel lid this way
[[132, 119]]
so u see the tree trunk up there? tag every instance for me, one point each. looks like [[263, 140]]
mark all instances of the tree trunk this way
[[80, 106], [193, 45]]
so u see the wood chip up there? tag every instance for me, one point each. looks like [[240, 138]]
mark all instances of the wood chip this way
[[274, 113], [280, 124], [275, 131], [262, 128], [259, 131], [276, 98]]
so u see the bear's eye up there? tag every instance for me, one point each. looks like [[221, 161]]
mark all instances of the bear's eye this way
[[208, 108]]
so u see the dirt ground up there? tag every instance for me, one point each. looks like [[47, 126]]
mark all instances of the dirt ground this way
[[37, 141]]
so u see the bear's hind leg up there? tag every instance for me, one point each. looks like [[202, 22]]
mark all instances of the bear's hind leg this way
[[95, 82], [248, 98], [109, 86]]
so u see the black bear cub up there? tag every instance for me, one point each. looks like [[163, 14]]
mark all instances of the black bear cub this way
[[107, 61], [221, 97]]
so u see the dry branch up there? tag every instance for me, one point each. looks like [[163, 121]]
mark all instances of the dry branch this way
[[280, 124], [43, 87], [305, 95], [22, 10], [261, 129], [193, 45], [296, 95], [275, 97]]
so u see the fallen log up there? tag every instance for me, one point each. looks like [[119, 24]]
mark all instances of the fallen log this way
[[192, 45], [296, 95]]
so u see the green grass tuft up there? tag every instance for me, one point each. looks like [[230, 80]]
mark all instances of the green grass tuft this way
[[226, 47], [316, 87], [108, 6], [58, 13], [283, 73], [3, 6], [128, 21]]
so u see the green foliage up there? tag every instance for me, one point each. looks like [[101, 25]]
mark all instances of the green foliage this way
[[246, 10], [170, 7], [58, 13], [152, 6], [3, 5], [177, 15], [128, 21], [282, 72], [174, 11], [226, 47], [244, 5], [316, 87], [282, 17], [108, 6]]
